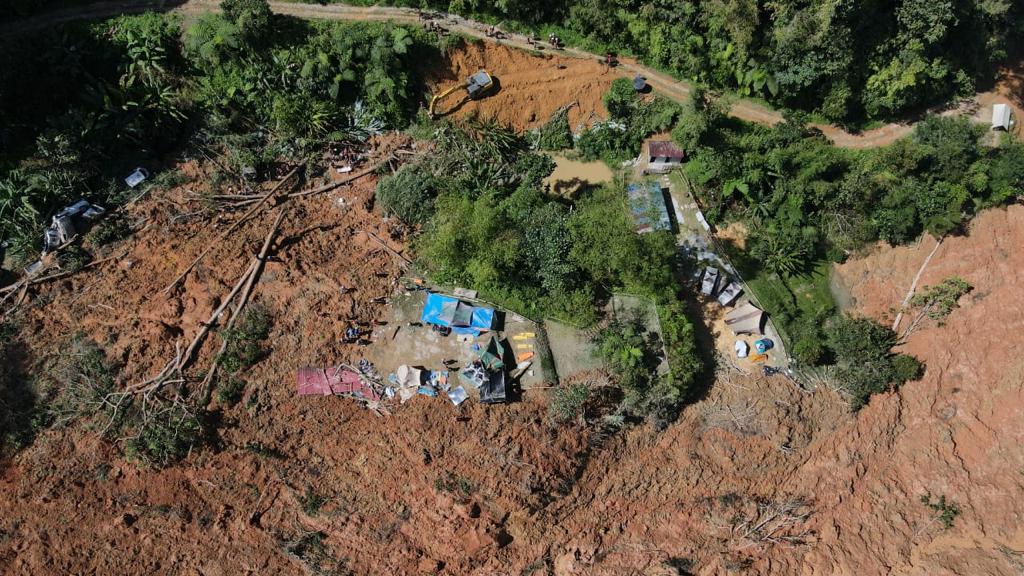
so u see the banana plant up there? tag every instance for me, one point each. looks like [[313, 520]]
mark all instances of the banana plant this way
[[753, 80], [400, 40]]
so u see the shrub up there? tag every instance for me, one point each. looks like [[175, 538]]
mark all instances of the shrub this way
[[808, 350], [164, 437], [937, 302], [312, 502], [409, 193], [567, 402], [73, 258], [624, 348], [229, 390], [253, 17], [865, 362], [458, 485], [245, 340], [84, 378], [947, 509], [684, 361], [556, 134], [906, 368]]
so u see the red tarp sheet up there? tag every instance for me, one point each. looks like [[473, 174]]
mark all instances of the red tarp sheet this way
[[312, 381]]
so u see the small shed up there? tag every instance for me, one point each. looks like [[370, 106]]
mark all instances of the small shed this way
[[746, 319], [1002, 117], [663, 156], [639, 83], [648, 206]]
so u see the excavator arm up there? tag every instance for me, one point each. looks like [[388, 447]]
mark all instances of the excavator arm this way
[[438, 97]]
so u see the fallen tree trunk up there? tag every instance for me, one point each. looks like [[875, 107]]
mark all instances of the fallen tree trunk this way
[[263, 200], [255, 269]]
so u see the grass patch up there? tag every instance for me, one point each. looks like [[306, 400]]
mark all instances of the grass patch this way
[[454, 484], [83, 378], [113, 228], [310, 551], [264, 451], [798, 306], [73, 258], [311, 502], [567, 402], [163, 437], [78, 386]]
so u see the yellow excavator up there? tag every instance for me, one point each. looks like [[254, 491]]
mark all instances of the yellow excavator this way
[[476, 86]]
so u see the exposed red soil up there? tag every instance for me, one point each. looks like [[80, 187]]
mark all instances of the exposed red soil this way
[[498, 489], [532, 87]]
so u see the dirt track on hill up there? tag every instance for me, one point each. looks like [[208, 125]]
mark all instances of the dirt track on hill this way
[[677, 90]]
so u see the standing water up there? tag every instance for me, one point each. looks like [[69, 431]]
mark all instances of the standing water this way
[[571, 175]]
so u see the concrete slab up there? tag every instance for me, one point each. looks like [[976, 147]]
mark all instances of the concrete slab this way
[[400, 342], [571, 349]]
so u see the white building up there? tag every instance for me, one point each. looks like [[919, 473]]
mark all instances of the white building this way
[[1002, 117]]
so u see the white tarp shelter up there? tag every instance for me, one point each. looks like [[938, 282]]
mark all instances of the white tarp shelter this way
[[1002, 117], [742, 349], [746, 319]]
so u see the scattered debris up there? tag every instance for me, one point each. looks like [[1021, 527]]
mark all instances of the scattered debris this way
[[709, 285], [763, 345], [729, 294], [742, 349], [458, 395], [336, 380], [746, 319], [68, 222], [136, 177]]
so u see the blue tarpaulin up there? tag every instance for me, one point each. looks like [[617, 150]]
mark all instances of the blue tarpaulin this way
[[462, 318]]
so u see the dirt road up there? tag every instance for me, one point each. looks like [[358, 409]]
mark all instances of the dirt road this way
[[666, 85]]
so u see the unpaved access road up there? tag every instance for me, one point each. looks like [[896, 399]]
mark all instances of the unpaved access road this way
[[672, 88]]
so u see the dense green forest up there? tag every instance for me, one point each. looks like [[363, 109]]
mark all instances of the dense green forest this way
[[807, 203], [84, 104], [849, 60]]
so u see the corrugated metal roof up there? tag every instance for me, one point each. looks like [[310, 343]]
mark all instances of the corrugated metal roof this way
[[665, 149], [647, 204]]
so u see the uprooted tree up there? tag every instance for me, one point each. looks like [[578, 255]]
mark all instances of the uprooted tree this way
[[936, 303]]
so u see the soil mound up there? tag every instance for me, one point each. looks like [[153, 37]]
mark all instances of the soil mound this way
[[531, 88]]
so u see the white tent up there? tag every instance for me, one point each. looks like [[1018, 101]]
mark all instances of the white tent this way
[[1001, 117], [746, 319], [742, 349]]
